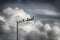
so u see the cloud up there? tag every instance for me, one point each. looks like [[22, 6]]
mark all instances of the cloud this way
[[2, 18], [45, 12], [33, 30], [16, 12], [47, 27], [19, 14]]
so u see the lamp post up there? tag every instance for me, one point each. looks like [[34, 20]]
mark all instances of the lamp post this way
[[18, 27], [17, 23], [20, 22], [17, 30]]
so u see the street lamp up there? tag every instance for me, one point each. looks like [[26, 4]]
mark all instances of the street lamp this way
[[17, 30], [17, 26], [22, 21]]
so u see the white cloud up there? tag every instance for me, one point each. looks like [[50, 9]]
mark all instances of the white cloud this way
[[19, 14], [16, 12], [2, 18], [47, 27]]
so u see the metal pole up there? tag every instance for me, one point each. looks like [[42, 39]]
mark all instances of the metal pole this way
[[17, 30]]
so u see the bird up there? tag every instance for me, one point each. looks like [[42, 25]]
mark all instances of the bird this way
[[30, 19]]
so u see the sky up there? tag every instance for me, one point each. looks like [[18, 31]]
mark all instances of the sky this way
[[34, 7], [46, 23]]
